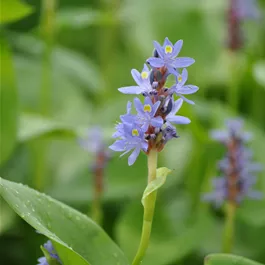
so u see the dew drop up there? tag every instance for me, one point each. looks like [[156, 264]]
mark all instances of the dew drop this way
[[49, 225], [77, 218]]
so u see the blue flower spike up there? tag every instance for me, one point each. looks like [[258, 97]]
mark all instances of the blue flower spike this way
[[151, 126], [237, 179]]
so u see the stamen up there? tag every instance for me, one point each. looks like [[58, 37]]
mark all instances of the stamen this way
[[168, 49]]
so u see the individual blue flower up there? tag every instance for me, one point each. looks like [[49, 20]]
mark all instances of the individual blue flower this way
[[49, 247], [146, 113], [181, 89], [167, 56], [176, 119], [131, 139], [142, 80]]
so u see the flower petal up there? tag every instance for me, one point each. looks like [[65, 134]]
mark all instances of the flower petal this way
[[138, 105], [184, 76], [137, 77], [177, 105], [131, 90], [155, 62], [185, 99], [133, 156], [178, 119], [177, 47], [182, 62], [157, 122], [118, 146], [159, 49], [188, 89]]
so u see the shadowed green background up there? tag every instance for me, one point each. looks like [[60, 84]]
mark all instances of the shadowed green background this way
[[60, 70]]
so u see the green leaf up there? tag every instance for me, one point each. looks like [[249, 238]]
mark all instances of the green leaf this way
[[12, 10], [8, 102], [78, 240], [161, 175], [32, 126], [79, 18], [226, 259]]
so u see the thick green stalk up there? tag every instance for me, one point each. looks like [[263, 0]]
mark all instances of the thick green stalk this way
[[228, 235], [149, 209]]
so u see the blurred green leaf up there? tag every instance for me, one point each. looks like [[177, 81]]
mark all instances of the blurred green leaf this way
[[33, 126], [161, 175], [226, 259], [79, 18], [12, 10], [7, 216], [259, 72], [77, 239], [9, 103]]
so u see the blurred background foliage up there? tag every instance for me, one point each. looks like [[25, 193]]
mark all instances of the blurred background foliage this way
[[61, 65]]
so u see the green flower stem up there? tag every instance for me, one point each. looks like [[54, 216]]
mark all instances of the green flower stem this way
[[149, 209], [228, 236]]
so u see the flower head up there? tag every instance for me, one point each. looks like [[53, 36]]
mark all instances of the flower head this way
[[146, 113], [181, 89], [151, 128], [238, 179], [167, 56], [49, 247], [142, 80], [132, 138]]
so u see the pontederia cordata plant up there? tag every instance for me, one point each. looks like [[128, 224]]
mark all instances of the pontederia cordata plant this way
[[152, 126], [238, 175], [74, 239]]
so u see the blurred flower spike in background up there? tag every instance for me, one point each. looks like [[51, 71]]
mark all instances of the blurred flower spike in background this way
[[238, 171], [151, 127], [238, 12], [95, 145], [53, 255]]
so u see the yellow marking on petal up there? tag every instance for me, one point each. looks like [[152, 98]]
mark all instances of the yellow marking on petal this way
[[135, 132], [144, 75], [179, 78], [168, 49], [147, 108]]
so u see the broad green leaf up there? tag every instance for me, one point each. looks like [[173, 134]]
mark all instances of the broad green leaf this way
[[8, 102], [259, 72], [12, 10], [77, 239], [226, 259], [161, 175]]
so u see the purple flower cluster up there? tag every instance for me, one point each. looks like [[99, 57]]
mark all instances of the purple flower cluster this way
[[151, 127], [49, 247], [238, 12], [238, 170], [94, 144]]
